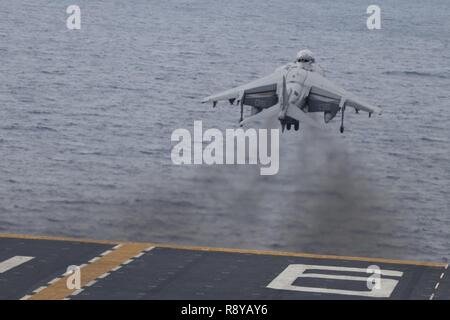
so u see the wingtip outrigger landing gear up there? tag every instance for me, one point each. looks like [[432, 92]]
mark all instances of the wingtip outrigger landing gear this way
[[242, 111], [240, 101], [342, 106]]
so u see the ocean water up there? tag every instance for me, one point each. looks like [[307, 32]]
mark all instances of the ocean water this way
[[87, 115]]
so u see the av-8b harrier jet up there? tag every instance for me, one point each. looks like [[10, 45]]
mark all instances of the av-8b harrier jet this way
[[291, 92]]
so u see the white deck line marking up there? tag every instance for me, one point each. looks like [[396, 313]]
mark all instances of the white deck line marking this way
[[140, 254], [117, 246], [128, 261], [54, 280], [104, 275], [91, 283], [25, 297], [13, 262], [93, 259], [437, 284], [105, 253], [39, 289], [76, 292]]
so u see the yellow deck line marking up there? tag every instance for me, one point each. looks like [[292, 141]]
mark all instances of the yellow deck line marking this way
[[229, 250], [55, 238], [302, 255], [58, 290]]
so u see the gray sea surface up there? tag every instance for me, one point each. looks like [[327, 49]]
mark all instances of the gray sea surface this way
[[87, 116]]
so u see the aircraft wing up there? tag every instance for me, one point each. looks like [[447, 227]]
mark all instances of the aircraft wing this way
[[261, 91], [325, 94], [358, 104]]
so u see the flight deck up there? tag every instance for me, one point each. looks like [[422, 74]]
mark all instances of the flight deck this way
[[48, 268]]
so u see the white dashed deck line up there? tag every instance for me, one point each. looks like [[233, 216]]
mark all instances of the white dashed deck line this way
[[104, 275], [139, 255], [67, 273], [116, 268], [39, 289], [438, 283], [95, 280], [91, 283], [54, 280], [76, 292], [105, 253]]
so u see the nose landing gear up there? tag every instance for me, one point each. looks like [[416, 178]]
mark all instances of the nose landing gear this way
[[288, 123]]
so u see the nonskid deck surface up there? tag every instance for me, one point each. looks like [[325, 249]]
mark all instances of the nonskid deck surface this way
[[35, 268]]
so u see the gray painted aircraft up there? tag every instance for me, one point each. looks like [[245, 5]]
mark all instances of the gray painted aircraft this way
[[291, 92]]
